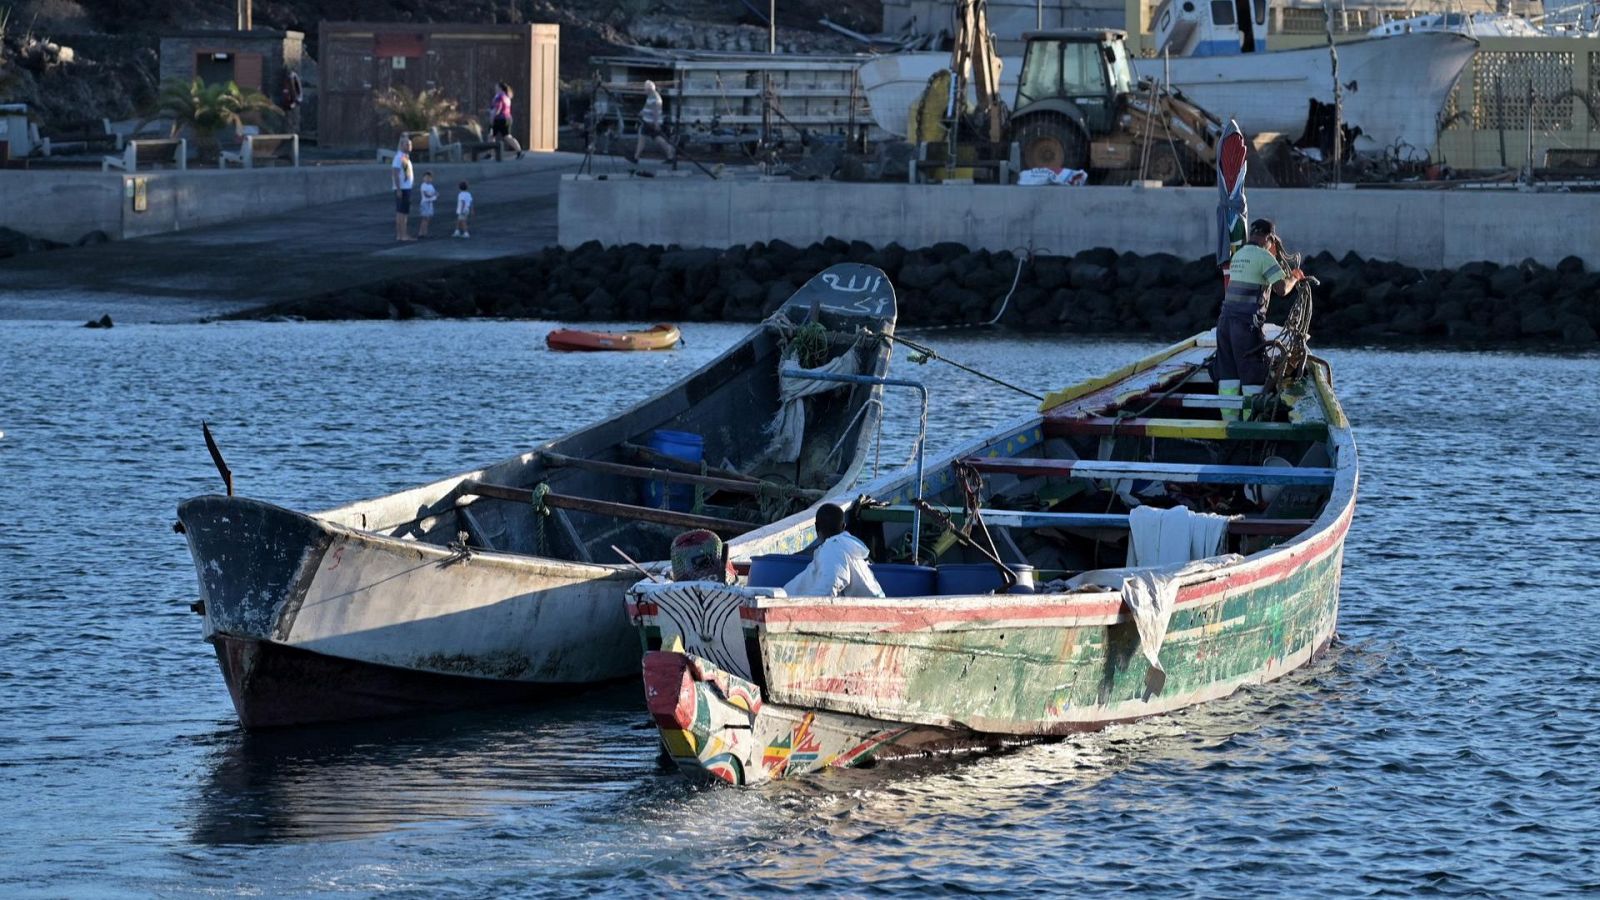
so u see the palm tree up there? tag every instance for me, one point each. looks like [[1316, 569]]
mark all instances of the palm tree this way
[[411, 111], [209, 109]]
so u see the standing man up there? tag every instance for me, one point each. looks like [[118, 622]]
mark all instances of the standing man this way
[[1254, 275], [401, 174], [650, 124], [838, 566]]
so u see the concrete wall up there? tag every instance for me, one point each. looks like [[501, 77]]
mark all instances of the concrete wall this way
[[65, 206], [1428, 229]]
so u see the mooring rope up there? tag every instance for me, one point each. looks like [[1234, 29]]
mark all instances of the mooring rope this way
[[540, 513], [1025, 255], [924, 353]]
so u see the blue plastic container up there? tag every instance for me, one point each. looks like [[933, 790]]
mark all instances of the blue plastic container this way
[[959, 579], [902, 580], [684, 445], [776, 569]]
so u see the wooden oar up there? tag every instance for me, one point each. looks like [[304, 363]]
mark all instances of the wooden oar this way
[[607, 508], [735, 486], [642, 570]]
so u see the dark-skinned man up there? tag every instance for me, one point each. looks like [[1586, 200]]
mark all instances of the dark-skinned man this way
[[1254, 276]]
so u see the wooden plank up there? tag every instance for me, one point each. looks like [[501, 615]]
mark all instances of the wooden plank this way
[[1202, 429], [737, 486], [607, 508], [1012, 518], [1186, 401], [1169, 472]]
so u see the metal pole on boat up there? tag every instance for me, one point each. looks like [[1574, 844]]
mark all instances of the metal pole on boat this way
[[922, 389]]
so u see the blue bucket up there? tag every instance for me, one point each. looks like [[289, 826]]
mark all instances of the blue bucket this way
[[902, 580], [776, 569], [684, 445], [960, 579]]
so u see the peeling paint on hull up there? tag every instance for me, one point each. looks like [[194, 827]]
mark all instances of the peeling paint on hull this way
[[274, 686]]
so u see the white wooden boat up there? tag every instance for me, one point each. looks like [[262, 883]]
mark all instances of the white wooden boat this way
[[501, 583], [1395, 86]]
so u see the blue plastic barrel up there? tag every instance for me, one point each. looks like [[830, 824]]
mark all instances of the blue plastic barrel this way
[[684, 445], [776, 569], [960, 579], [903, 580]]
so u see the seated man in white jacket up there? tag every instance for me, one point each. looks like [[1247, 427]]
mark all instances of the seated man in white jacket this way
[[838, 567]]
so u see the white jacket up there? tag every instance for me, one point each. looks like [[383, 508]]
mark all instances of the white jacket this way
[[837, 569]]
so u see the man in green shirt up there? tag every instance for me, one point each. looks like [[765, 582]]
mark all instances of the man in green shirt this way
[[1254, 275]]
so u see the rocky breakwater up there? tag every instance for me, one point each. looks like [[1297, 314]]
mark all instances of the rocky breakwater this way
[[1097, 291]]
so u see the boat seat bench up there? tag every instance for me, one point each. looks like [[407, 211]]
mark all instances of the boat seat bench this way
[[1012, 518], [1168, 472], [1202, 429]]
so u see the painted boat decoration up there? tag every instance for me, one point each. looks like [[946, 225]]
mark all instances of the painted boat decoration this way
[[499, 583], [662, 336], [747, 685], [1400, 85]]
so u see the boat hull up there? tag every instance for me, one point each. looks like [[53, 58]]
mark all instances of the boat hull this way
[[275, 686], [858, 683], [1399, 86], [347, 610]]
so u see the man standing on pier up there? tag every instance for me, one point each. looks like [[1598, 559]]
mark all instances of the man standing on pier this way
[[1254, 275], [402, 175]]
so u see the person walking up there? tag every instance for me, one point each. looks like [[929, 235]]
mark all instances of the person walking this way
[[651, 125], [500, 119], [401, 174], [1254, 276]]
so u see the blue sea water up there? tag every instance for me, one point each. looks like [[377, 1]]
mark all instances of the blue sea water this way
[[1445, 745]]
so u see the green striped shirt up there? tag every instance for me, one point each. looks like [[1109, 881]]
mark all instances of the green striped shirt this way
[[1254, 265]]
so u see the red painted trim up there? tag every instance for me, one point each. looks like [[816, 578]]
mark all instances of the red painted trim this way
[[931, 615]]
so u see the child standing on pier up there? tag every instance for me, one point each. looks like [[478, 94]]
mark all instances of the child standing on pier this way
[[463, 211], [429, 195]]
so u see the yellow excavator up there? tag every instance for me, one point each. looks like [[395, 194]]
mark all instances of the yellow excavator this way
[[1076, 107]]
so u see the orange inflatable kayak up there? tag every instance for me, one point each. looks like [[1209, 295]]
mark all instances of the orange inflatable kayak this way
[[660, 337]]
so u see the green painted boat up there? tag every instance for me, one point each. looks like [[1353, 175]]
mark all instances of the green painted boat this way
[[748, 685]]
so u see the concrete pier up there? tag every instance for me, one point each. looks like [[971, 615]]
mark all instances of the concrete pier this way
[[1421, 228], [269, 258], [65, 206]]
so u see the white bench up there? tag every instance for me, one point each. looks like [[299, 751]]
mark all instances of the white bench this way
[[427, 143], [255, 149], [148, 153]]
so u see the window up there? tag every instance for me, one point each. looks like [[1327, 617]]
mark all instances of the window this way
[[1261, 12], [1041, 72], [1083, 72], [1222, 12]]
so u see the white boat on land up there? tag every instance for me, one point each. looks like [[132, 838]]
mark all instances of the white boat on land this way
[[1394, 89], [497, 584]]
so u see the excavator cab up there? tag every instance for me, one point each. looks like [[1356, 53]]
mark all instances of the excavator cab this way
[[1069, 89], [1079, 108]]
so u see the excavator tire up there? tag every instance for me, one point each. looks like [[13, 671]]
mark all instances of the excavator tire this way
[[1169, 165], [1051, 140]]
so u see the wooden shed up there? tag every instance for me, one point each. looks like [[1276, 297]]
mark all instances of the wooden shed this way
[[359, 60]]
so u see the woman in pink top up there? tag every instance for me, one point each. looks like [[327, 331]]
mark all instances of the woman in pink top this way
[[500, 110]]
